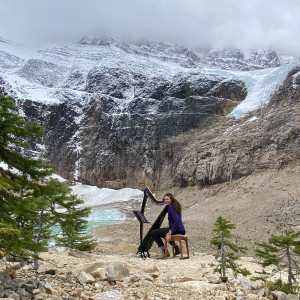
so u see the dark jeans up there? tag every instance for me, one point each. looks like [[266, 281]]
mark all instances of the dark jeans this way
[[160, 233]]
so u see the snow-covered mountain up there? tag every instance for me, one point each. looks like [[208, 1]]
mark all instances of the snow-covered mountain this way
[[47, 75], [118, 113]]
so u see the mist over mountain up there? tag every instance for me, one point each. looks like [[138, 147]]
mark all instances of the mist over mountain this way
[[217, 24]]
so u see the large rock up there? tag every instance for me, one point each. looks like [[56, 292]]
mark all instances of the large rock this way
[[47, 268], [6, 281], [114, 294], [113, 271], [85, 278]]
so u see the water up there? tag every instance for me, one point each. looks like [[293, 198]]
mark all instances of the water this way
[[101, 217]]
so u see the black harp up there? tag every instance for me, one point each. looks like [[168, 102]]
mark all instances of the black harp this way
[[147, 241]]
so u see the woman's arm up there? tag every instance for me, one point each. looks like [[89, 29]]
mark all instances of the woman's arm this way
[[175, 219]]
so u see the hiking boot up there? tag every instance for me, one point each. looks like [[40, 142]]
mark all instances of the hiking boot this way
[[177, 250], [162, 256]]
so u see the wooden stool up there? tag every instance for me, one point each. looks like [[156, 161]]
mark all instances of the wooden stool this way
[[177, 238]]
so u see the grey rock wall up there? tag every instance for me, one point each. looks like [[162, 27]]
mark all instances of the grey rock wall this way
[[183, 140], [117, 146]]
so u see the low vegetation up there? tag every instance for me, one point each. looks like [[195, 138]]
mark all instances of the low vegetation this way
[[227, 250], [281, 253]]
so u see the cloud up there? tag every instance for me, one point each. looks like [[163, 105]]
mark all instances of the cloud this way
[[219, 23]]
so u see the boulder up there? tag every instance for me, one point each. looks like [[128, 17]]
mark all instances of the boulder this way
[[85, 278], [114, 294]]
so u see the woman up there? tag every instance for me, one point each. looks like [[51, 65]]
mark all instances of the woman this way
[[175, 225]]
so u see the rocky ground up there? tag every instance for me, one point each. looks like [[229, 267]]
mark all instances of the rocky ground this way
[[260, 205], [68, 274]]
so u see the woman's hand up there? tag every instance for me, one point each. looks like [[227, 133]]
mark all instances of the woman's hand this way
[[168, 236]]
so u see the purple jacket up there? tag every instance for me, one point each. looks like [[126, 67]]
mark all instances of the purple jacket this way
[[174, 217]]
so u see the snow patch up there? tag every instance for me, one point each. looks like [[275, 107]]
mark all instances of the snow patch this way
[[59, 178], [95, 197]]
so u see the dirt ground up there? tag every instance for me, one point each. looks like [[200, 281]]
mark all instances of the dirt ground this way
[[259, 205]]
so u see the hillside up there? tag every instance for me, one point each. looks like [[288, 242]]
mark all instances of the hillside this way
[[260, 204], [69, 274]]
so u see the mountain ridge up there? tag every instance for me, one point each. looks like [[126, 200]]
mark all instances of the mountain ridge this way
[[117, 114]]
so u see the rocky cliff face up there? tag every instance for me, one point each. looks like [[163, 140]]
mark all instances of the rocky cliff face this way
[[150, 114], [228, 149], [117, 147]]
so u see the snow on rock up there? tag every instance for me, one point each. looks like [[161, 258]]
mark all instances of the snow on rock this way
[[111, 108], [124, 69]]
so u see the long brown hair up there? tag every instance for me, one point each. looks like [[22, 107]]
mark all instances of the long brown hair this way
[[176, 204]]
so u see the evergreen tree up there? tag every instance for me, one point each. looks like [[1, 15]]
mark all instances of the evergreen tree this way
[[7, 235], [227, 250], [73, 225], [19, 177], [283, 253], [29, 201], [63, 215]]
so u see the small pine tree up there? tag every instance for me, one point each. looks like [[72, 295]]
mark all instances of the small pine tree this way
[[73, 225], [283, 253], [227, 250]]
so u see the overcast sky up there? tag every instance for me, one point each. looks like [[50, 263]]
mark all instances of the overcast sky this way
[[218, 23]]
